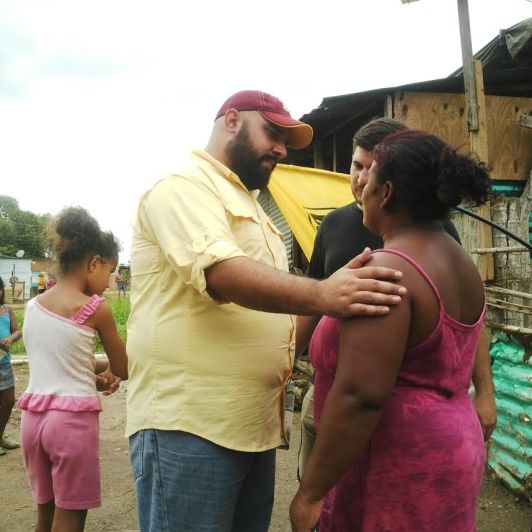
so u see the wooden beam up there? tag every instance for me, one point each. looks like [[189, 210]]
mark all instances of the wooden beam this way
[[318, 154], [507, 249], [335, 154], [508, 292], [479, 146], [485, 240], [468, 69], [512, 307], [509, 328], [388, 106], [479, 138]]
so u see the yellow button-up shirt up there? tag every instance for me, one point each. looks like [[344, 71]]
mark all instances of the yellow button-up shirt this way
[[214, 370]]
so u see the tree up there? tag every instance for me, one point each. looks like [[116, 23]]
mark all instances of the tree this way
[[21, 229]]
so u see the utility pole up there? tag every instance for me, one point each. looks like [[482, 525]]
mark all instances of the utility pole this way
[[468, 68]]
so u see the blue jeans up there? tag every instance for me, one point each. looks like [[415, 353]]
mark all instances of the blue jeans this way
[[186, 483]]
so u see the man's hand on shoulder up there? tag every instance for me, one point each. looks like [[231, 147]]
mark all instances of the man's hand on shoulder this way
[[360, 291]]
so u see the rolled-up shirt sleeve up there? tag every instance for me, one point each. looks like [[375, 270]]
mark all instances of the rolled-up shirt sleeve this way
[[190, 225]]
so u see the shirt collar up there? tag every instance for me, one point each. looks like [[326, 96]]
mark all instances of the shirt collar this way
[[222, 170]]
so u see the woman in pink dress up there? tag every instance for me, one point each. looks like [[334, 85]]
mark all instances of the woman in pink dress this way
[[399, 446]]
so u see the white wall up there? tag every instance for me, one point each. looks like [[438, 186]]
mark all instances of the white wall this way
[[22, 271]]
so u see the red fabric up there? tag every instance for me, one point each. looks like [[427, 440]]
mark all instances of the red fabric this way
[[273, 110], [88, 309], [422, 469]]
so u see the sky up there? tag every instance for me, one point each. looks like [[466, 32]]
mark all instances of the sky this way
[[100, 99]]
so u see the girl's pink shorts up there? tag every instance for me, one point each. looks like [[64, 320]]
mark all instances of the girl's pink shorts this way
[[61, 452]]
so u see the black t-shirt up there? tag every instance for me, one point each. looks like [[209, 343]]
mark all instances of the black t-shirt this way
[[342, 236]]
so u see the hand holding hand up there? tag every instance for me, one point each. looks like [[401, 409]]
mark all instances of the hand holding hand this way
[[359, 291], [107, 382]]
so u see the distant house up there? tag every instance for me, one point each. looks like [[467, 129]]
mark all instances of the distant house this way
[[19, 268], [37, 266], [503, 74]]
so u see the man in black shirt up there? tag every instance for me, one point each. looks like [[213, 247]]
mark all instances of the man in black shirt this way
[[342, 236]]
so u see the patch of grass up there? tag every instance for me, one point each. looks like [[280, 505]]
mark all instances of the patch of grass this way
[[18, 347], [119, 307]]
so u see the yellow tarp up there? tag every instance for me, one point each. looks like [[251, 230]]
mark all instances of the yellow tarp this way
[[305, 196]]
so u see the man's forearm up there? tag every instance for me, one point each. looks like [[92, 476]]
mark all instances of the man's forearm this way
[[348, 292], [260, 287]]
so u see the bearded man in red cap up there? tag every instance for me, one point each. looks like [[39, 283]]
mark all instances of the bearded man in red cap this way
[[210, 334]]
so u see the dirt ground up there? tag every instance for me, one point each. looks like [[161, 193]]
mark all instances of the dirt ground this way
[[498, 510]]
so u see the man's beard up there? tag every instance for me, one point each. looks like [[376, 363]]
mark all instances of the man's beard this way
[[246, 163]]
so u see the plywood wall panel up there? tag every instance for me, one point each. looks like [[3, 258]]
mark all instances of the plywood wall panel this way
[[509, 144]]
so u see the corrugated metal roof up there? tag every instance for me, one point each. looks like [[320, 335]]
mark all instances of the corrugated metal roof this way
[[511, 442], [504, 75], [512, 48], [269, 206]]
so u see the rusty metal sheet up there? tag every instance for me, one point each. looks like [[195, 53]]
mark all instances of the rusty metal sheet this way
[[511, 443]]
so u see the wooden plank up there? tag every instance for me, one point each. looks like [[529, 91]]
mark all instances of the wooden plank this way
[[335, 152], [513, 307], [388, 106], [470, 77], [509, 143], [509, 328], [508, 249], [506, 291], [509, 152], [513, 270], [479, 138], [485, 240], [438, 113], [319, 161], [479, 146]]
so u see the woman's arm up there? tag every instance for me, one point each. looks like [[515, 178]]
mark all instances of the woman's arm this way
[[484, 400], [371, 352]]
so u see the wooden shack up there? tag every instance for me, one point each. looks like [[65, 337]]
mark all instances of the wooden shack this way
[[503, 70], [503, 74]]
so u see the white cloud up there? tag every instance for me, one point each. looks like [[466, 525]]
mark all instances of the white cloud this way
[[99, 99]]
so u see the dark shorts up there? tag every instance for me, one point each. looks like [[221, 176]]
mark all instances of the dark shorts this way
[[121, 287], [7, 380]]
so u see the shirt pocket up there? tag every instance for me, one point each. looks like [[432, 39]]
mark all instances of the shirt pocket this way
[[240, 208]]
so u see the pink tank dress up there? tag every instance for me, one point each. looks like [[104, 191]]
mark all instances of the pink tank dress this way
[[422, 469]]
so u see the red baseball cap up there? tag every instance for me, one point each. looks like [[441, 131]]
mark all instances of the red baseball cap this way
[[272, 109]]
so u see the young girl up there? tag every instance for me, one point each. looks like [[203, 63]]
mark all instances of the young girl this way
[[59, 430], [9, 334]]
